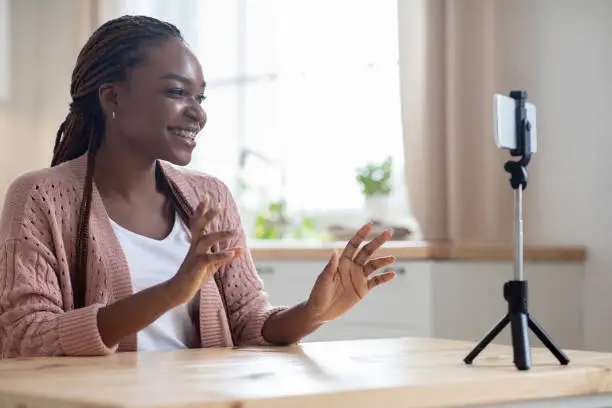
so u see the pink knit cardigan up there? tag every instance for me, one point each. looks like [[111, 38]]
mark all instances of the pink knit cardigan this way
[[38, 231]]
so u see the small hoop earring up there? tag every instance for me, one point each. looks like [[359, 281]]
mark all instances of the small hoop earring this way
[[113, 114]]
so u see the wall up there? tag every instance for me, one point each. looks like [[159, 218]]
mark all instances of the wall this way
[[5, 29], [45, 40], [560, 51], [454, 54]]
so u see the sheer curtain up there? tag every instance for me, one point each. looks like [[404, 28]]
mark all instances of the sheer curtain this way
[[452, 58], [300, 94]]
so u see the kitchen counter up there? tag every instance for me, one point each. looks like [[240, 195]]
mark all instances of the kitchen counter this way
[[263, 250], [407, 372]]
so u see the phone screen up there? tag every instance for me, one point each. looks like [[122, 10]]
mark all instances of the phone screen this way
[[505, 125]]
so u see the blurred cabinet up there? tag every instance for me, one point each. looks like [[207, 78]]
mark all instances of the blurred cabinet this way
[[457, 300]]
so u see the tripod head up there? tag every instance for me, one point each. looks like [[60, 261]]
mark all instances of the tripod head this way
[[518, 168]]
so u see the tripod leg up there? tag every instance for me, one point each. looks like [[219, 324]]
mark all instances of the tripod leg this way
[[487, 339], [552, 347], [520, 341]]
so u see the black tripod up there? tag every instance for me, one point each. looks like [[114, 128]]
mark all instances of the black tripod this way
[[515, 291]]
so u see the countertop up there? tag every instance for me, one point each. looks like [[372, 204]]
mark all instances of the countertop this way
[[417, 250], [386, 373]]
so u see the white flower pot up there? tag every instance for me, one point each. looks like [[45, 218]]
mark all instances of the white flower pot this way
[[377, 208]]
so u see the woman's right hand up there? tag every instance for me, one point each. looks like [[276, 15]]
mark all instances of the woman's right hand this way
[[201, 262]]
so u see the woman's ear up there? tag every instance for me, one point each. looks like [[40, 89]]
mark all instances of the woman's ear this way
[[109, 99]]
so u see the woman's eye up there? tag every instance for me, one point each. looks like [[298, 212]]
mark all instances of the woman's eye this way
[[179, 93], [176, 92]]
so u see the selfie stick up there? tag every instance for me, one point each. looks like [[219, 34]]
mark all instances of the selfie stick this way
[[515, 291]]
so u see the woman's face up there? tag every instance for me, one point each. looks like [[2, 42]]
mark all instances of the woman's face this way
[[158, 111]]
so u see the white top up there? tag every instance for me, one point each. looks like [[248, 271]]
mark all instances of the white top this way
[[151, 262]]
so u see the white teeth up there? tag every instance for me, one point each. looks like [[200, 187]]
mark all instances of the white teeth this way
[[188, 134]]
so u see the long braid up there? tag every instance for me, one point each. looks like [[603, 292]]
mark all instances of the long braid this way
[[110, 53]]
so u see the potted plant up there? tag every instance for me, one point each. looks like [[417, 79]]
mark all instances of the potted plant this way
[[272, 222], [375, 182]]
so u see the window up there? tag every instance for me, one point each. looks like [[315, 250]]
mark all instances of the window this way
[[301, 94]]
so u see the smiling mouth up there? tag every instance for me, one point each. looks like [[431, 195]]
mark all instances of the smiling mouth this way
[[186, 133]]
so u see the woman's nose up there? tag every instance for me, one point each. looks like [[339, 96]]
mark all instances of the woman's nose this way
[[197, 114]]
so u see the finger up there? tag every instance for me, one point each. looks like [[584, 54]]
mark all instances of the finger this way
[[201, 206], [380, 279], [357, 239], [202, 216], [332, 265], [366, 252], [199, 224], [377, 263], [207, 241], [221, 257]]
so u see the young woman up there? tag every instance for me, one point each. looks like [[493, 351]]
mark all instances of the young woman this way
[[115, 247]]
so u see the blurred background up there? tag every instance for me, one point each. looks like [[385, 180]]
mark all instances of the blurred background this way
[[300, 98], [326, 114]]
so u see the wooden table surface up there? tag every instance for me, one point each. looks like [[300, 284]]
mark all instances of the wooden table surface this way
[[363, 373]]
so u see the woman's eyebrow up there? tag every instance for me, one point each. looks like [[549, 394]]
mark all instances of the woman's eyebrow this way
[[182, 79]]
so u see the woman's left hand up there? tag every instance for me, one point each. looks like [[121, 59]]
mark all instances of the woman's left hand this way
[[347, 277]]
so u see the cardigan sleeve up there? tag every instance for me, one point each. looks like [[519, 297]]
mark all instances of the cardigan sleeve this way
[[247, 302], [33, 321]]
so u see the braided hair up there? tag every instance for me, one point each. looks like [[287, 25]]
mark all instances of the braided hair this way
[[111, 52]]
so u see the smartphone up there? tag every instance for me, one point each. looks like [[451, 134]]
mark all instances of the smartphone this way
[[504, 109]]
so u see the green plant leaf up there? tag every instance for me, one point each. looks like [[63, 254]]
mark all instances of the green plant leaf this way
[[375, 178]]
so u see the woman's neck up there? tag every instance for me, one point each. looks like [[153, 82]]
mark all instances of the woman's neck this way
[[120, 173]]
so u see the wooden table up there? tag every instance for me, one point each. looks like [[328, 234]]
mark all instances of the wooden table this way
[[364, 373]]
